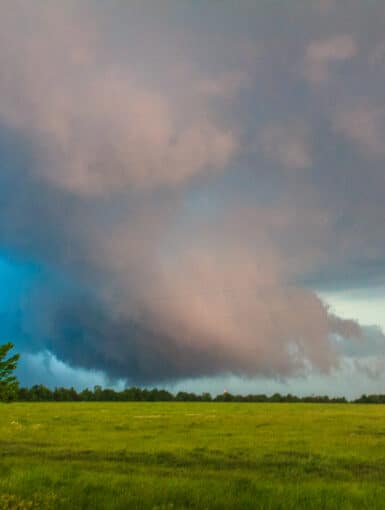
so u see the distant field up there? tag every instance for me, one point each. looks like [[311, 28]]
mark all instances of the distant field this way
[[191, 456]]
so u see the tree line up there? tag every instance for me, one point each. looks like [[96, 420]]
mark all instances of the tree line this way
[[10, 391], [40, 393]]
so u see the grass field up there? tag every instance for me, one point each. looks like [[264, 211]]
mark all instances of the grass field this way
[[191, 455]]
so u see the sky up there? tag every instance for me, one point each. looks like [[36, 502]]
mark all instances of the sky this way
[[192, 194]]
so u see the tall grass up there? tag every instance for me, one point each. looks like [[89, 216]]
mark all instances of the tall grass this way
[[191, 456]]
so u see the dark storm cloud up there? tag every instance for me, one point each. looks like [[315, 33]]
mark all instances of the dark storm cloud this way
[[119, 122]]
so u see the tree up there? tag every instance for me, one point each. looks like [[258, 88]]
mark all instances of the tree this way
[[40, 393], [9, 384]]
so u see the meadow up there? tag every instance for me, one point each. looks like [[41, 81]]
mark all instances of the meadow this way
[[167, 456]]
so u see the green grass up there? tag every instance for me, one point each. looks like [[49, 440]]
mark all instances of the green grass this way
[[191, 456]]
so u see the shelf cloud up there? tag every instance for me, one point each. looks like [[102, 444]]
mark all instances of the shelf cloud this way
[[188, 179]]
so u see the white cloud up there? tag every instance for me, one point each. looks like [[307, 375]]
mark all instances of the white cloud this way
[[363, 124], [45, 368], [321, 54]]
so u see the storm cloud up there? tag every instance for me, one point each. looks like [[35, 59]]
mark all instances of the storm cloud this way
[[187, 175]]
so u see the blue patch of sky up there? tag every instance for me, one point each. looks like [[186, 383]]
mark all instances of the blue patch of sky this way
[[23, 285]]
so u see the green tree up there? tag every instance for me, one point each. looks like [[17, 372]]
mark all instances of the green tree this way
[[9, 385]]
